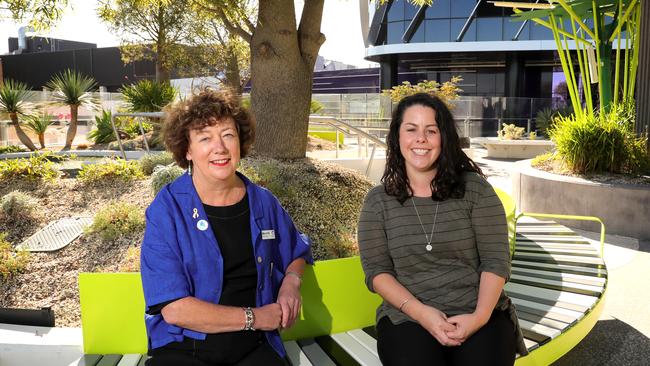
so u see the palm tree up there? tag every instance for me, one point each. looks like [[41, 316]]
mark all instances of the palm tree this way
[[73, 89], [13, 96], [38, 124]]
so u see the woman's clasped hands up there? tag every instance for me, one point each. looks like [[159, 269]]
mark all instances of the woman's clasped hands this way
[[449, 331]]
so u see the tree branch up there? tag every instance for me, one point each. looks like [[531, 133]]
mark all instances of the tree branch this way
[[309, 34]]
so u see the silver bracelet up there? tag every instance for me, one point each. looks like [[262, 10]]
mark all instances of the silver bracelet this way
[[250, 318], [403, 303], [295, 274]]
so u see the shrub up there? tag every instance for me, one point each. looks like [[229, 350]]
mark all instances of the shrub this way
[[11, 262], [132, 127], [110, 170], [148, 96], [447, 91], [10, 149], [103, 133], [39, 124], [131, 261], [315, 107], [150, 161], [323, 199], [164, 174], [18, 205], [36, 167], [116, 220], [510, 132], [598, 142], [545, 118]]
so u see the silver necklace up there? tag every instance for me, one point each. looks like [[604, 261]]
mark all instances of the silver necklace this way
[[428, 247]]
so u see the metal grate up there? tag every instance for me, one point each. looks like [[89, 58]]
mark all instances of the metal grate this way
[[56, 235]]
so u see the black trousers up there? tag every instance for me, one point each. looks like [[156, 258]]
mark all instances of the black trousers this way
[[410, 344], [262, 355]]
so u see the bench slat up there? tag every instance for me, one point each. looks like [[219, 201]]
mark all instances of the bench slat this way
[[557, 258], [530, 344], [316, 355], [130, 360], [572, 252], [552, 238], [88, 360], [575, 246], [559, 276], [334, 350], [365, 339], [557, 285], [543, 229], [296, 355], [547, 322], [356, 349], [564, 268], [109, 360], [553, 312], [143, 360], [538, 328], [577, 302]]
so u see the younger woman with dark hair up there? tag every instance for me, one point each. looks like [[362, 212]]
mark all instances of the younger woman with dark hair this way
[[434, 244]]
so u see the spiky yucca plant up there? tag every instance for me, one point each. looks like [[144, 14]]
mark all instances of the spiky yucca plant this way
[[148, 96], [38, 124], [73, 89], [13, 101], [103, 133]]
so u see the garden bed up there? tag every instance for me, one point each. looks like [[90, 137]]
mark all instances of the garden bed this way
[[515, 149]]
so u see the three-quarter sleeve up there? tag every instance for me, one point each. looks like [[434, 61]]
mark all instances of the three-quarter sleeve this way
[[373, 244], [163, 275], [491, 232]]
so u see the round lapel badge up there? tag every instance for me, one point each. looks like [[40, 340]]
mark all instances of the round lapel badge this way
[[202, 225]]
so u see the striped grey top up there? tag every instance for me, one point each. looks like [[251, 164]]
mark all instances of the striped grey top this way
[[471, 236]]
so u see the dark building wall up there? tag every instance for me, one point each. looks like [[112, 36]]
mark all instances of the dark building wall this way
[[103, 64], [42, 44]]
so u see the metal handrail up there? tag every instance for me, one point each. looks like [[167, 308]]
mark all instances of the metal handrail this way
[[134, 114], [346, 127]]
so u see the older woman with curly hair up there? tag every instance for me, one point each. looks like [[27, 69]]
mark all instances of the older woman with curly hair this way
[[434, 244], [221, 259]]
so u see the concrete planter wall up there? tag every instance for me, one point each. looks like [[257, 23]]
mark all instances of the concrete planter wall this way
[[624, 208], [516, 149]]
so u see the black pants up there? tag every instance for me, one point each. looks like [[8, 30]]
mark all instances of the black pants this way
[[410, 344], [262, 355]]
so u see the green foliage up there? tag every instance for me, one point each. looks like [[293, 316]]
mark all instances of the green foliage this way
[[14, 96], [546, 117], [72, 88], [18, 205], [150, 161], [116, 220], [38, 123], [11, 262], [132, 128], [110, 170], [323, 199], [36, 167], [10, 149], [41, 14], [148, 96], [510, 132], [103, 133], [315, 107], [447, 91], [600, 142], [164, 174]]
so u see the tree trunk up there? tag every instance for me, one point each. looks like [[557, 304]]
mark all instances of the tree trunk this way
[[282, 64], [72, 129], [41, 140], [22, 136], [233, 79], [162, 74]]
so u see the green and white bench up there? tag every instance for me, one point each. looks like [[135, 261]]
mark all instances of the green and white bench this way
[[558, 284]]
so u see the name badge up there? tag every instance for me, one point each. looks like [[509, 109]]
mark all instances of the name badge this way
[[268, 234]]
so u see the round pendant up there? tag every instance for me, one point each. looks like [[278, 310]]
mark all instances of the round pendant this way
[[429, 247]]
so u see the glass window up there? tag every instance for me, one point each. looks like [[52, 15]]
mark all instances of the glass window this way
[[510, 29], [409, 10], [418, 36], [395, 32], [462, 8], [486, 84], [396, 11], [439, 9], [489, 29], [540, 32], [437, 30], [457, 25], [487, 9], [500, 83]]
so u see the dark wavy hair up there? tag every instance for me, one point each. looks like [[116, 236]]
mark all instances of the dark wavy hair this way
[[206, 108], [451, 164]]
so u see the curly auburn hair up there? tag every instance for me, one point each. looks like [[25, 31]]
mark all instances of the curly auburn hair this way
[[451, 163], [206, 108]]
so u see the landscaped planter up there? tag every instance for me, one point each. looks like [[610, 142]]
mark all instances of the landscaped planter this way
[[516, 149], [624, 208]]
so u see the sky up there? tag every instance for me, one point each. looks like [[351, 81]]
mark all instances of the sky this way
[[340, 25]]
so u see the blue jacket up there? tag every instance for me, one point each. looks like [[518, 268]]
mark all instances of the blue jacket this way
[[180, 256]]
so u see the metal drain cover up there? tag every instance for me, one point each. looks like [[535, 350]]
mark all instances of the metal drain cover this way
[[56, 235]]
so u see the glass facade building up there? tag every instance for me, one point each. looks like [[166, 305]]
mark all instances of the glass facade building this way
[[474, 39]]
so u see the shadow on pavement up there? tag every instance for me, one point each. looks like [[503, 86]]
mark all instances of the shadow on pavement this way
[[611, 342]]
